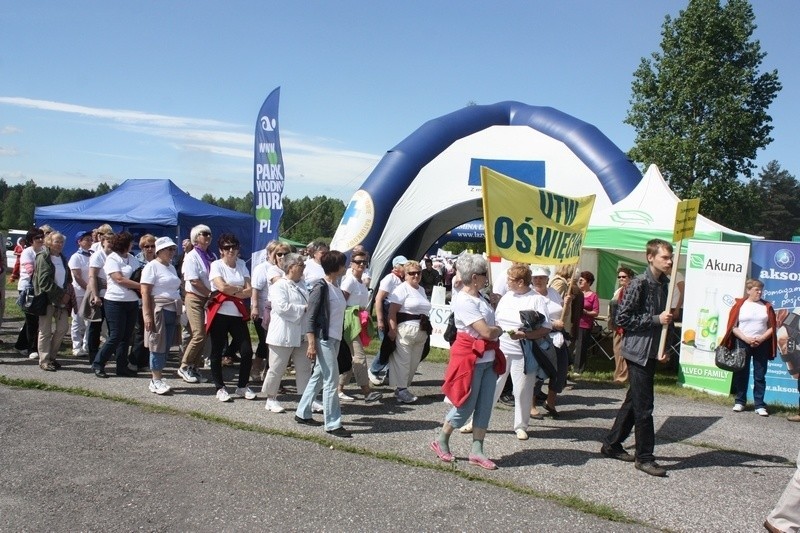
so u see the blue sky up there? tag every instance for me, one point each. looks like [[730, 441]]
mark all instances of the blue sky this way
[[102, 91]]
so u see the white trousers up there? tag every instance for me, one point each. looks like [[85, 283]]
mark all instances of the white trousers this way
[[523, 389], [278, 361], [786, 515], [404, 361]]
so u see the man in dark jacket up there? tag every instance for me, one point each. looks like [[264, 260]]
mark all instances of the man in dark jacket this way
[[642, 313]]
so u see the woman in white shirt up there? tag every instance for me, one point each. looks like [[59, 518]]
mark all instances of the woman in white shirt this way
[[121, 306], [286, 338], [356, 294], [161, 307], [519, 297], [227, 315], [79, 267], [265, 274], [96, 291], [409, 327]]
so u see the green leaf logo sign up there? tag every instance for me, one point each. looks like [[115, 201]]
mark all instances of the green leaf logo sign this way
[[697, 261], [263, 214]]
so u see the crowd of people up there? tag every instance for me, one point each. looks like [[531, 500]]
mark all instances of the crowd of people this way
[[311, 310]]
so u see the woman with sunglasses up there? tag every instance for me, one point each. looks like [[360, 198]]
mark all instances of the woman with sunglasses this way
[[197, 288], [161, 307], [410, 329], [624, 277], [356, 294], [28, 338], [227, 315], [265, 274]]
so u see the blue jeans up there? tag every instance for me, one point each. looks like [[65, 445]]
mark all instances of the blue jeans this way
[[121, 320], [760, 358], [636, 410], [159, 360], [480, 400], [325, 377]]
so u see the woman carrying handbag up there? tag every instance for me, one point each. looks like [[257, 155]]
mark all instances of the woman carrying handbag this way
[[751, 325]]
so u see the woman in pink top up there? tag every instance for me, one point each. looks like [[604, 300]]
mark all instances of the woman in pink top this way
[[591, 308]]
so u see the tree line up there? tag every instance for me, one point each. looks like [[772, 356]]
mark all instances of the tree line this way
[[303, 220]]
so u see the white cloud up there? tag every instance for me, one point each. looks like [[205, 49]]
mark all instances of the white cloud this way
[[9, 130], [8, 151]]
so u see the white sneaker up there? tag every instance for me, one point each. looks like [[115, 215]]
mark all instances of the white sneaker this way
[[738, 408], [158, 386], [195, 373], [186, 375], [246, 393], [762, 412], [273, 406], [316, 407], [83, 352], [405, 396], [346, 397], [223, 396], [33, 355], [375, 380], [521, 434], [76, 352], [466, 428]]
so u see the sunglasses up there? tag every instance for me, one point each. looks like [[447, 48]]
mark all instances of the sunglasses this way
[[359, 262], [414, 273], [149, 246], [229, 247], [39, 238], [205, 234], [622, 277], [280, 254], [480, 273]]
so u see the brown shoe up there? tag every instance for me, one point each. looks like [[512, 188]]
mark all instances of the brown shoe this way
[[769, 527]]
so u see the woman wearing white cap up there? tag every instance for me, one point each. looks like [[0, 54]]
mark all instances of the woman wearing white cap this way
[[161, 305]]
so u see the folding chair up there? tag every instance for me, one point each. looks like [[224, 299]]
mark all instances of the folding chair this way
[[599, 335]]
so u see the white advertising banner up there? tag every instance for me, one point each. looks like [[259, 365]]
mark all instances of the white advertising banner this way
[[715, 276], [439, 315]]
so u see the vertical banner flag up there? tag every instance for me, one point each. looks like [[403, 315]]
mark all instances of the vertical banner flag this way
[[267, 177], [715, 276], [532, 225], [777, 265]]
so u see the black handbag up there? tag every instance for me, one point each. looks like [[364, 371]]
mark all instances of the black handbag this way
[[33, 304], [730, 360]]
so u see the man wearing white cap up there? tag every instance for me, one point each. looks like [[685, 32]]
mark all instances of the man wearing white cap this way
[[392, 280]]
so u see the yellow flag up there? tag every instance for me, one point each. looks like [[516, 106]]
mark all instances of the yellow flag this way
[[532, 225]]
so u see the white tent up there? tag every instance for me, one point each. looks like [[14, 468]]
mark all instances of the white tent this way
[[648, 212]]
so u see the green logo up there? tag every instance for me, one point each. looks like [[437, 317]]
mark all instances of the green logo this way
[[263, 214], [272, 157], [697, 261]]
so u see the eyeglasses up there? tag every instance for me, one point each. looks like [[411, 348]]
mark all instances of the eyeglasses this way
[[39, 238], [229, 247], [149, 246], [622, 277], [359, 262], [280, 254], [205, 234], [480, 273], [414, 273]]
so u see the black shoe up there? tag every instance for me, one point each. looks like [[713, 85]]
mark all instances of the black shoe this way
[[551, 410], [56, 364], [507, 399], [339, 432], [125, 372], [307, 421], [100, 373], [620, 455], [652, 468], [49, 367], [542, 397]]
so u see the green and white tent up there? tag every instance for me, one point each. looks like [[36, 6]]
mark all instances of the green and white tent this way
[[648, 212]]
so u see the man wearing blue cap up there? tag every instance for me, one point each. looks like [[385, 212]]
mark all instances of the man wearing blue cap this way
[[79, 266], [377, 371]]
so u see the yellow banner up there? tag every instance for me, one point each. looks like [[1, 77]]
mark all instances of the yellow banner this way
[[532, 225], [685, 219]]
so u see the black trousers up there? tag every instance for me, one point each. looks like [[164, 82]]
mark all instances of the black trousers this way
[[636, 411], [221, 327]]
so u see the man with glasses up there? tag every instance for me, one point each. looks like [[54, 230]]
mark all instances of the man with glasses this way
[[642, 313]]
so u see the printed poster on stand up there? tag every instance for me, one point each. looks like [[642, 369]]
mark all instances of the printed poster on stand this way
[[715, 276], [777, 265]]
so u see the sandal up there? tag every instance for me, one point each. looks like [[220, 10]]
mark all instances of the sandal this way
[[482, 462], [447, 457]]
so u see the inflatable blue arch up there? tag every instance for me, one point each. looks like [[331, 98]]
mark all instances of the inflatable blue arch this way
[[386, 184]]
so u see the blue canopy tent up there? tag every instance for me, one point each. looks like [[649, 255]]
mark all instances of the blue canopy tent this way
[[155, 206]]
